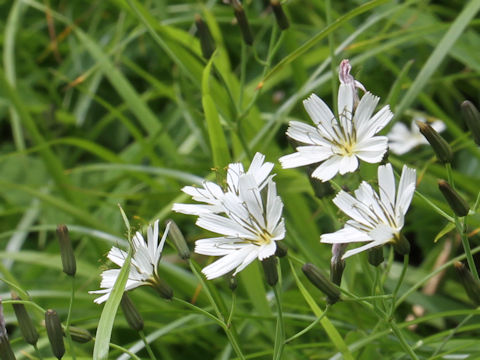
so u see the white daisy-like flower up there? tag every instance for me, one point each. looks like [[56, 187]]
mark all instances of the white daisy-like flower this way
[[401, 139], [143, 265], [338, 144], [375, 218], [248, 215]]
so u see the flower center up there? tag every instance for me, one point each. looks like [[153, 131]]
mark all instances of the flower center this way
[[264, 238], [347, 149]]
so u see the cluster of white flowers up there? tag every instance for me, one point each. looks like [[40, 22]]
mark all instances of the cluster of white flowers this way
[[247, 212]]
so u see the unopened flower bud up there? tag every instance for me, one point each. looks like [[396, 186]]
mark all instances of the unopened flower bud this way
[[161, 286], [280, 16], [281, 250], [337, 265], [270, 269], [321, 282], [79, 335], [28, 330], [242, 22], [232, 282], [206, 40], [472, 119], [66, 251], [455, 201], [133, 317], [401, 245], [471, 285], [375, 256], [55, 333], [438, 143], [179, 240], [6, 352]]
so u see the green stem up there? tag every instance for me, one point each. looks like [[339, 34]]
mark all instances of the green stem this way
[[406, 259], [199, 310], [462, 229], [37, 351], [147, 345], [309, 327], [280, 329], [452, 332], [403, 341], [122, 349], [67, 325], [232, 309]]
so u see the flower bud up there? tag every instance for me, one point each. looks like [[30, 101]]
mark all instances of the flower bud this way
[[270, 269], [242, 22], [455, 201], [55, 333], [6, 352], [79, 335], [161, 286], [281, 250], [471, 285], [280, 16], [28, 330], [133, 317], [206, 40], [337, 265], [375, 256], [401, 245], [321, 282], [438, 143], [472, 119], [66, 251], [232, 282], [179, 240]]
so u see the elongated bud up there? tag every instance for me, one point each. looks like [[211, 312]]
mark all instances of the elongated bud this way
[[337, 265], [162, 288], [471, 285], [375, 256], [232, 282], [472, 119], [55, 333], [321, 282], [455, 201], [438, 143], [79, 335], [28, 330], [66, 251], [133, 317], [179, 240], [6, 352], [270, 269], [242, 22], [206, 40], [401, 245], [281, 250], [280, 16]]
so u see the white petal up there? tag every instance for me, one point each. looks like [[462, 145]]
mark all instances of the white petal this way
[[348, 164], [196, 209], [386, 184], [360, 249], [274, 207], [250, 194], [328, 169], [375, 124], [406, 189], [305, 133], [382, 233], [267, 250], [306, 155], [246, 261], [346, 235], [372, 149], [318, 111], [346, 97], [117, 256], [353, 208], [219, 246], [223, 225], [364, 111], [227, 263]]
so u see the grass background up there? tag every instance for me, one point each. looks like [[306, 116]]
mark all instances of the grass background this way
[[106, 103]]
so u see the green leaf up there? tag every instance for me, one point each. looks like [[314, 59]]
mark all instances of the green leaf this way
[[446, 229]]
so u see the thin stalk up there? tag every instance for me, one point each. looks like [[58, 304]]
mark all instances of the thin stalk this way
[[406, 259], [309, 327], [147, 345], [462, 229], [199, 310], [280, 329], [452, 332], [232, 309], [67, 325], [122, 349], [37, 351], [403, 341]]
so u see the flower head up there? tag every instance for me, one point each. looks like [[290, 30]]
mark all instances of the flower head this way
[[401, 139], [375, 218], [247, 214], [143, 266], [338, 144]]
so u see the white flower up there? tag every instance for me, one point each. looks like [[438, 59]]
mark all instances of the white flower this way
[[401, 140], [339, 143], [143, 266], [375, 219], [248, 215]]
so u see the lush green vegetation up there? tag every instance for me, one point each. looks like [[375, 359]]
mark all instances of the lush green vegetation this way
[[107, 103]]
